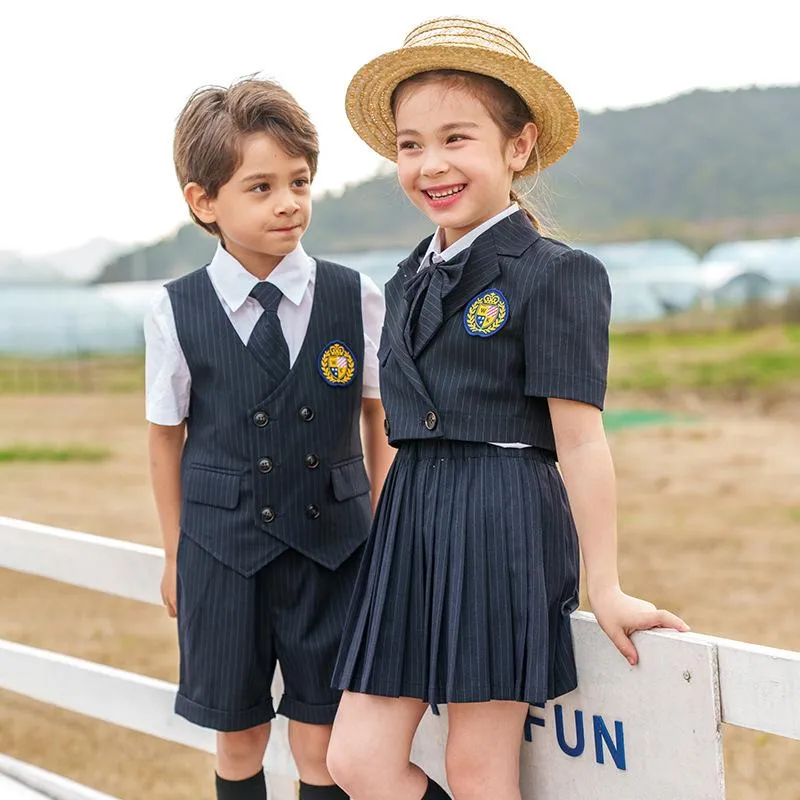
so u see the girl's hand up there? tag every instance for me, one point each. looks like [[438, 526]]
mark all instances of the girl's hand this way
[[619, 615], [169, 582]]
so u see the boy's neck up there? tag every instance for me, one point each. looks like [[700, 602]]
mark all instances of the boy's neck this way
[[259, 265]]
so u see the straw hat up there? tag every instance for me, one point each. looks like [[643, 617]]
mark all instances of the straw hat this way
[[472, 46]]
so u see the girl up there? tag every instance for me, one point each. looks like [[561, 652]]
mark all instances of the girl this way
[[493, 362]]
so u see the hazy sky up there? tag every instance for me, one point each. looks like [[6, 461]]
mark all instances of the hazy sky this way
[[90, 90]]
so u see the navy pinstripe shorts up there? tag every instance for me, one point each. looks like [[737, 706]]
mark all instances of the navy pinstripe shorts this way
[[232, 631]]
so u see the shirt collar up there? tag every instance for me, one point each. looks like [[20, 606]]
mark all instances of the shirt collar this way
[[435, 247], [234, 282]]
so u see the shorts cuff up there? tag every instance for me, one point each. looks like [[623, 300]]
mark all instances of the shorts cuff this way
[[306, 712], [224, 721]]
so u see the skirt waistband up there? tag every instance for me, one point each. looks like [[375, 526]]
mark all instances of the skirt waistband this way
[[420, 449]]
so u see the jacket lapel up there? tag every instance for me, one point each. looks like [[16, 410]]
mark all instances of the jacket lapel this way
[[509, 237], [396, 313]]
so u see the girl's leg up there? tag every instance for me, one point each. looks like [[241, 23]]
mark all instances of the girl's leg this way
[[371, 745], [483, 747]]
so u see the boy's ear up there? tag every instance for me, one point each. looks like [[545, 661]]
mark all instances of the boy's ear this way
[[200, 203], [521, 147]]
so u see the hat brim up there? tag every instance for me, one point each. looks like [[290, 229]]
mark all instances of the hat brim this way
[[368, 100]]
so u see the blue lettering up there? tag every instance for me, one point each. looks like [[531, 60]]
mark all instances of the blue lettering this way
[[532, 720], [616, 748], [562, 742]]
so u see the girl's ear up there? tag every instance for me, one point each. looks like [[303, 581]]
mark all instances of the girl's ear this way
[[200, 203], [521, 146]]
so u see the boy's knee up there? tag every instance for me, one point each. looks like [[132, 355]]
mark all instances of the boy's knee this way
[[242, 749], [309, 746]]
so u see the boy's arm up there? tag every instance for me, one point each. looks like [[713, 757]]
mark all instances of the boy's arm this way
[[377, 452], [165, 446]]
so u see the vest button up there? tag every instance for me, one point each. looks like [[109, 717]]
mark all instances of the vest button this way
[[312, 461], [306, 414], [260, 419], [267, 514], [265, 465], [312, 512], [386, 427], [431, 420]]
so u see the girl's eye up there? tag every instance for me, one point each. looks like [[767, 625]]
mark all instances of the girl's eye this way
[[456, 137], [407, 145], [261, 187]]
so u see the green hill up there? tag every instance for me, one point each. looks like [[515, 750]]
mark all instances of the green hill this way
[[703, 167]]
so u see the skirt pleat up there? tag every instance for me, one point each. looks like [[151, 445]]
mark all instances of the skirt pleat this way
[[468, 580]]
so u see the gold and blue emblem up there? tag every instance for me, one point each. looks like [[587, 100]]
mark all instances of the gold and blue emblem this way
[[486, 314], [337, 364]]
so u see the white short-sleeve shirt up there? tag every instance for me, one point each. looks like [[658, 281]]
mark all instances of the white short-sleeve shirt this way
[[167, 377]]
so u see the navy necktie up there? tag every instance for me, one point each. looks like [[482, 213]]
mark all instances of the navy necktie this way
[[267, 342], [425, 292]]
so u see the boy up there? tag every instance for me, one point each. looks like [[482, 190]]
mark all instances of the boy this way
[[261, 367]]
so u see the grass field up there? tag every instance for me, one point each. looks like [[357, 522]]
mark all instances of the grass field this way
[[709, 524]]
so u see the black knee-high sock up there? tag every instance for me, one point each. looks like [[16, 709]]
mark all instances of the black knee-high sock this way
[[310, 792], [254, 788], [435, 792]]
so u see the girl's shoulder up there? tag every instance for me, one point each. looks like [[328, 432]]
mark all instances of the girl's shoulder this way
[[551, 265]]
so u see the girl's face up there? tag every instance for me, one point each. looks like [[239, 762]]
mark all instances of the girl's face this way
[[453, 161]]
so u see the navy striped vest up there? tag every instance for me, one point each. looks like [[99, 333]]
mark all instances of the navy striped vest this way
[[265, 470]]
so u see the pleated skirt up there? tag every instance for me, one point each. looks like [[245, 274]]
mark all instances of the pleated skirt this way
[[468, 581]]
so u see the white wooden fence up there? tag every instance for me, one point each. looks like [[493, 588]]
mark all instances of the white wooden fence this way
[[652, 731]]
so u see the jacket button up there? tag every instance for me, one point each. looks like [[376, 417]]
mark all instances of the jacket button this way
[[260, 418], [386, 427], [431, 420], [312, 512], [265, 465], [306, 414], [311, 461], [267, 514]]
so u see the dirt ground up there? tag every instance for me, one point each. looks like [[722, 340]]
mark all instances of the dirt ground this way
[[709, 524]]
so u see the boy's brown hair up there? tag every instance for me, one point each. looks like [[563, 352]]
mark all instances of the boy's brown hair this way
[[215, 119]]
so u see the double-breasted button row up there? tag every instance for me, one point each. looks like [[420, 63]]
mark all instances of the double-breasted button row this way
[[268, 513], [261, 418], [266, 465]]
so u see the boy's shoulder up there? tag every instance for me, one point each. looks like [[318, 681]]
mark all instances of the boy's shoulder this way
[[187, 281], [335, 268]]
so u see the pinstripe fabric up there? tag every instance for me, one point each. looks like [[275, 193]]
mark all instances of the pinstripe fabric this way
[[494, 389], [233, 629], [468, 580], [266, 341], [269, 467], [471, 570]]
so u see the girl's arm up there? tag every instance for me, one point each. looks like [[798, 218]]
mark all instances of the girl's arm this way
[[588, 473], [377, 452]]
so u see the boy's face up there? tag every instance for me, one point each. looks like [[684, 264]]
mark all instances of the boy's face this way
[[264, 209]]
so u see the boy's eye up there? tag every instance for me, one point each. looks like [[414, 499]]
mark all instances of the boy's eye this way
[[456, 137], [301, 183], [260, 187]]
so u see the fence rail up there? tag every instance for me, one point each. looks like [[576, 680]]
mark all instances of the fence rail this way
[[741, 684]]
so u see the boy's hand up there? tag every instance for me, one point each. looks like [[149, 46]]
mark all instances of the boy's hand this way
[[169, 580], [619, 615]]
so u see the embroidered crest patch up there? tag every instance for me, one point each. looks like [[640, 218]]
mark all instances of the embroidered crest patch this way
[[486, 314], [337, 364]]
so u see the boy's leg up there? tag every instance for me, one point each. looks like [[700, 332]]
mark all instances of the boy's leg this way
[[308, 604], [227, 664]]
